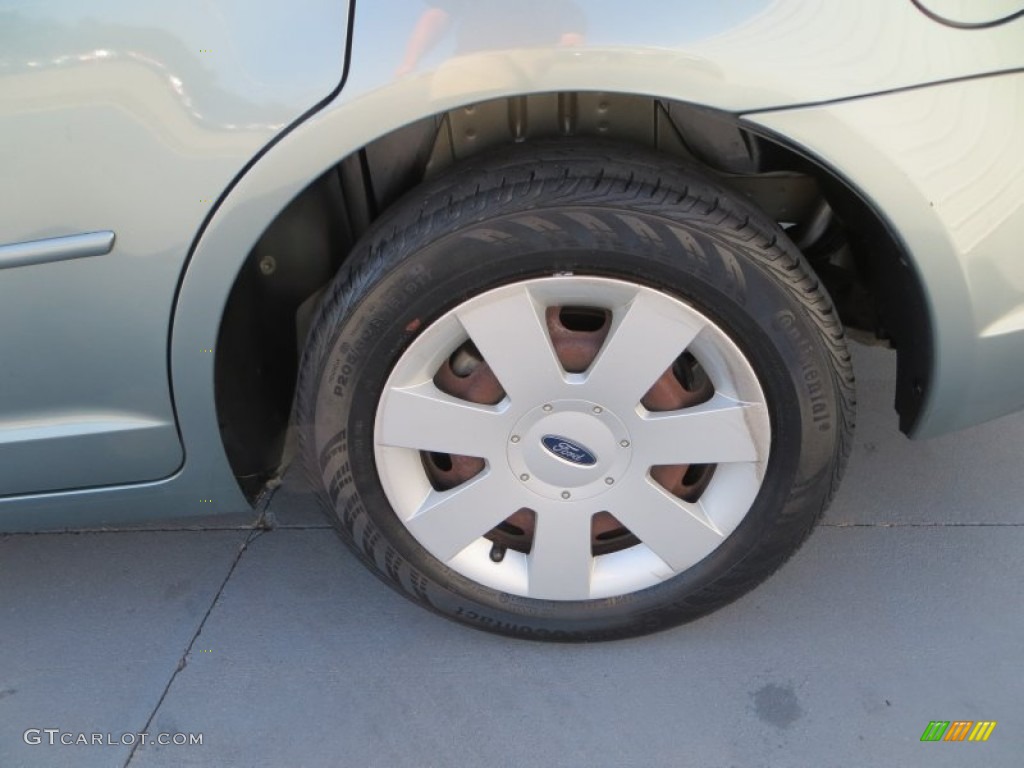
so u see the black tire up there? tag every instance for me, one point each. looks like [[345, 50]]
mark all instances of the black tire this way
[[501, 219]]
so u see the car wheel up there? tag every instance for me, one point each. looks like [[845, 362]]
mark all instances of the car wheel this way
[[575, 392]]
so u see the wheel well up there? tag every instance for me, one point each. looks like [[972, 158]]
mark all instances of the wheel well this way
[[849, 244]]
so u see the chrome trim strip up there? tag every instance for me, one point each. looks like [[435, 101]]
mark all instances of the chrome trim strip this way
[[73, 425], [56, 249]]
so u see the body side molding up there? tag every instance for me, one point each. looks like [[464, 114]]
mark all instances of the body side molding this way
[[56, 249]]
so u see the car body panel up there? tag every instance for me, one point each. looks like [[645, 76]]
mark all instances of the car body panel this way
[[735, 55], [742, 56], [133, 118], [944, 165]]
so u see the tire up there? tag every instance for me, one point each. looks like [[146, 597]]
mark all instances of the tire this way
[[684, 421]]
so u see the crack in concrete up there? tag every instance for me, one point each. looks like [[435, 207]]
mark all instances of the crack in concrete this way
[[210, 529], [255, 531]]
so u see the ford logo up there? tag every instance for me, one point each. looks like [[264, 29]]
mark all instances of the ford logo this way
[[566, 449]]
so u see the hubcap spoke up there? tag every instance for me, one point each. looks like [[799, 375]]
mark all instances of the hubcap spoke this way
[[511, 334], [726, 502], [446, 523], [719, 431], [642, 344], [425, 418], [678, 532], [560, 564]]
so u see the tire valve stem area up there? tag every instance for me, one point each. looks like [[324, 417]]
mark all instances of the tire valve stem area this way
[[577, 335], [498, 552]]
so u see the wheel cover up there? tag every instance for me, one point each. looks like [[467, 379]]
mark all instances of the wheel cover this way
[[515, 462]]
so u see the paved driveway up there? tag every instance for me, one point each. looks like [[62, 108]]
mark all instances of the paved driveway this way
[[904, 607]]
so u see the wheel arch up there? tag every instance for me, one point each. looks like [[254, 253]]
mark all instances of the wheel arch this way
[[329, 159]]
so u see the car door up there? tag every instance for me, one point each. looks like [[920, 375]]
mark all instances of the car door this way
[[123, 123]]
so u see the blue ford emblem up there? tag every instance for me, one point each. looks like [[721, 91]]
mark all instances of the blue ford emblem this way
[[568, 450]]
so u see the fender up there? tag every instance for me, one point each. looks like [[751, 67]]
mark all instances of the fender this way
[[963, 239], [756, 63]]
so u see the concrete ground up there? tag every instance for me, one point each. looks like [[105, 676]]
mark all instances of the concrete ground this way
[[904, 607]]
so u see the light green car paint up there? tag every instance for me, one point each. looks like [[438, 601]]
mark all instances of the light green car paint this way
[[139, 118], [134, 118], [946, 166]]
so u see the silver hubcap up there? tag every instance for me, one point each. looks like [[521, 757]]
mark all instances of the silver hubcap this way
[[569, 446]]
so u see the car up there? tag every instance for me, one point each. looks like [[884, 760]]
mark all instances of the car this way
[[549, 300]]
